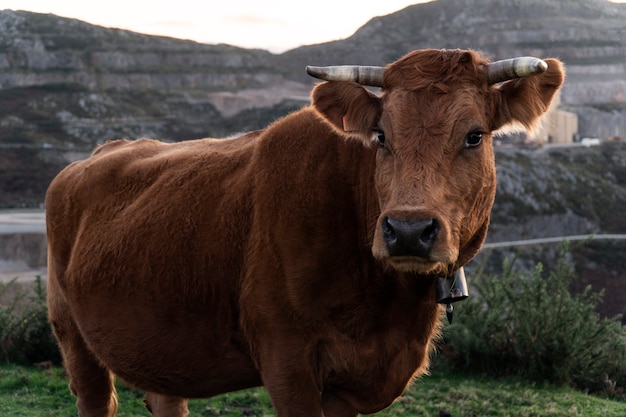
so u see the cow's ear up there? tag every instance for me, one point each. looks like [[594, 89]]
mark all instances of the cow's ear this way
[[348, 107], [523, 101]]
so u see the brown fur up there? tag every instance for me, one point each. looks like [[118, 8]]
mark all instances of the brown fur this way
[[201, 267]]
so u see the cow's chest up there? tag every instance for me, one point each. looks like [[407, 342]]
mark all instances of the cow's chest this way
[[370, 359], [372, 371]]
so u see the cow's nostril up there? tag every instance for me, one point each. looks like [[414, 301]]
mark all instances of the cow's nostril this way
[[410, 238], [388, 231], [429, 235]]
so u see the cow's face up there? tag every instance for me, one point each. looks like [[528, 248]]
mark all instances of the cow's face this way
[[435, 170], [435, 179]]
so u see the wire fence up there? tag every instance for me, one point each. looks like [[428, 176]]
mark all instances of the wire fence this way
[[558, 239]]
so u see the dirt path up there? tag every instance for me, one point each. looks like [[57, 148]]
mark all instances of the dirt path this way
[[24, 276], [21, 222]]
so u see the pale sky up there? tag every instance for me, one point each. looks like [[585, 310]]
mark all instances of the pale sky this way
[[274, 25]]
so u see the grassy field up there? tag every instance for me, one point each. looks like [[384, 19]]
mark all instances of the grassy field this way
[[30, 392]]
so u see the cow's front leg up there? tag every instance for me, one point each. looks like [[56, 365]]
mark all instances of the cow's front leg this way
[[293, 394], [333, 406], [166, 406], [290, 379]]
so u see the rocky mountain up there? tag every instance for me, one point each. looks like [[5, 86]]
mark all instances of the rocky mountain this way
[[66, 82], [66, 85]]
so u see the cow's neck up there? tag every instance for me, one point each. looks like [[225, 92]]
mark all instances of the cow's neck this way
[[358, 167]]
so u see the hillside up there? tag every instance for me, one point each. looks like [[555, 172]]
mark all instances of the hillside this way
[[72, 84], [66, 82], [66, 85]]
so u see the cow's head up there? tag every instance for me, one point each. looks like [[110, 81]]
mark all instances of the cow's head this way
[[433, 126]]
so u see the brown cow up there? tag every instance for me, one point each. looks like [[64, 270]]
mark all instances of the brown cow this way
[[302, 257]]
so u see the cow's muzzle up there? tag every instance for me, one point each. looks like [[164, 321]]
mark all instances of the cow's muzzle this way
[[410, 237]]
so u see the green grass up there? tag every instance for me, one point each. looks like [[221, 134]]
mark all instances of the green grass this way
[[30, 392], [465, 396]]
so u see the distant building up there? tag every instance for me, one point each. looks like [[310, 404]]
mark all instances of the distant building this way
[[559, 126]]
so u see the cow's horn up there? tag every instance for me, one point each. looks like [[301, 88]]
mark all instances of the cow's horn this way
[[372, 76], [509, 69]]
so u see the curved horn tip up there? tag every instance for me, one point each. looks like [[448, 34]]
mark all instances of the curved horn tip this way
[[530, 66], [316, 72], [311, 70], [542, 66], [508, 69], [364, 75], [333, 73]]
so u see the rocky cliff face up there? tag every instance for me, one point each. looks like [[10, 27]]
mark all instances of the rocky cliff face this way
[[108, 68], [66, 85], [559, 191], [38, 49], [69, 84]]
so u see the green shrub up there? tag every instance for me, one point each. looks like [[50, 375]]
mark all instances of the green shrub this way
[[530, 324], [8, 320], [25, 334]]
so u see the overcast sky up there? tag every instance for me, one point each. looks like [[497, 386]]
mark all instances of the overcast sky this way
[[275, 25]]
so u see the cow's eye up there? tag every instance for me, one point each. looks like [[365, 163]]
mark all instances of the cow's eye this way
[[473, 139], [380, 137]]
